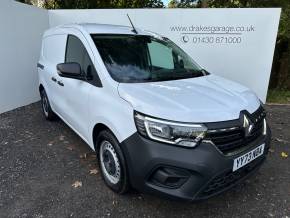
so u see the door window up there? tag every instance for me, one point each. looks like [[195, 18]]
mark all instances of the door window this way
[[76, 52]]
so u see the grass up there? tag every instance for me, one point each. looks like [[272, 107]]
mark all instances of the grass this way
[[278, 96]]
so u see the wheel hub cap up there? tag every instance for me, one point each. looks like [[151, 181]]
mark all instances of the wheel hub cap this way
[[109, 162]]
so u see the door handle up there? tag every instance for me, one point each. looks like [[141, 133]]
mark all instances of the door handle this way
[[60, 83], [53, 79], [40, 66]]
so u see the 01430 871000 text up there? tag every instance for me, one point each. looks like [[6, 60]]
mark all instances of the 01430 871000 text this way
[[211, 39]]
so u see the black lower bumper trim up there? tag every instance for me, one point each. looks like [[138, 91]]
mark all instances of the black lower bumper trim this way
[[201, 172], [228, 179]]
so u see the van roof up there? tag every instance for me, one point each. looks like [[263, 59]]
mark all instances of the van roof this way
[[94, 28]]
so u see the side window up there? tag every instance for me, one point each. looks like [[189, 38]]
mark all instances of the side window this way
[[76, 52]]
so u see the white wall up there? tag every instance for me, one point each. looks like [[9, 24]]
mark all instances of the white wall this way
[[248, 62], [21, 30]]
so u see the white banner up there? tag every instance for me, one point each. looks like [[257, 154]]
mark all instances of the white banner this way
[[234, 43]]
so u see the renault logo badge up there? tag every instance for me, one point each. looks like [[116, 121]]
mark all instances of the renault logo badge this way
[[248, 125]]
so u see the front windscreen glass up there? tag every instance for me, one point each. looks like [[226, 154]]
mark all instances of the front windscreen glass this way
[[137, 58]]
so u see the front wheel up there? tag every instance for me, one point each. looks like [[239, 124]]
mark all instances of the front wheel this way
[[112, 162]]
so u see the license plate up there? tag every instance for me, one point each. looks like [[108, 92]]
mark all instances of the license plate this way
[[248, 157]]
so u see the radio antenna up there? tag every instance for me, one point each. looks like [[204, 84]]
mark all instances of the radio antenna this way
[[134, 29]]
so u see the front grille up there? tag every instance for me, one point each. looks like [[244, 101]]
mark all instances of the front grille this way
[[231, 138], [229, 178]]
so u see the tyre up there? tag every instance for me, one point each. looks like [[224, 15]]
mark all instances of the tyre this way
[[46, 108], [112, 162]]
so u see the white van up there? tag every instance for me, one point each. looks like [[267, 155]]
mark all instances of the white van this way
[[158, 122]]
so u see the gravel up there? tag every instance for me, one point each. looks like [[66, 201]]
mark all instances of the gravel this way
[[40, 160]]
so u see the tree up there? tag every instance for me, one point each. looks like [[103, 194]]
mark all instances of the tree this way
[[154, 4], [183, 3], [25, 1], [173, 4], [91, 4]]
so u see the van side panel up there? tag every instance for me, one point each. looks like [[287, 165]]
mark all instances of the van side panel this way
[[52, 54]]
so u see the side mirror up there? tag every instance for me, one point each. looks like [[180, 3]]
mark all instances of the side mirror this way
[[70, 70]]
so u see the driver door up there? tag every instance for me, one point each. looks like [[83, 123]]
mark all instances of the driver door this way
[[74, 92]]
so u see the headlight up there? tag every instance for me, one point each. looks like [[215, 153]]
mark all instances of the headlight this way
[[182, 134]]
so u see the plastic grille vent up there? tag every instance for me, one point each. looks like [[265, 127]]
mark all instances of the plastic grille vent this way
[[234, 138]]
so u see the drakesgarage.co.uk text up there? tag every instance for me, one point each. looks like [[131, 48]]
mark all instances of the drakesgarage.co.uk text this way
[[208, 34], [213, 29]]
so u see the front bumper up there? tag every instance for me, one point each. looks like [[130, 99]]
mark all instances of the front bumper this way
[[193, 174]]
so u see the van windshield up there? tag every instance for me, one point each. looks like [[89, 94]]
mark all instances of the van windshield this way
[[139, 58]]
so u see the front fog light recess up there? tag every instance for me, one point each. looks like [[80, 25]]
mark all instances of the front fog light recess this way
[[182, 134]]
